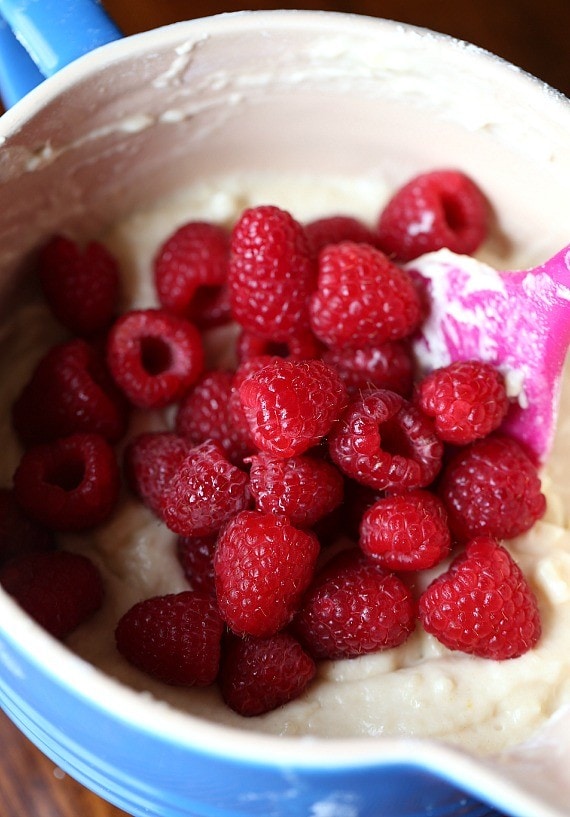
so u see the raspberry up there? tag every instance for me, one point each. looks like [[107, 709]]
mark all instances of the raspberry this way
[[59, 590], [190, 267], [263, 565], [443, 208], [385, 442], [301, 345], [304, 488], [467, 400], [406, 532], [204, 414], [388, 366], [291, 405], [70, 391], [354, 607], [173, 638], [81, 287], [154, 357], [205, 491], [261, 674], [483, 604], [492, 488], [210, 307], [362, 298], [196, 557], [150, 461], [18, 534], [334, 229], [69, 484], [270, 274]]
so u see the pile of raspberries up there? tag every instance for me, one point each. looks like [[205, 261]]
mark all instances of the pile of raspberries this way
[[323, 433]]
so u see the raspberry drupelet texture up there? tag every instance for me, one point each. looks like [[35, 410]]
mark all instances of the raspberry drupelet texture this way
[[303, 488], [195, 555], [271, 273], [491, 488], [334, 229], [482, 605], [174, 638], [406, 531], [388, 366], [154, 357], [70, 391], [263, 565], [259, 675], [443, 208], [204, 492], [362, 298], [384, 442], [301, 345], [354, 607], [71, 483], [150, 461], [81, 286], [291, 405], [467, 399]]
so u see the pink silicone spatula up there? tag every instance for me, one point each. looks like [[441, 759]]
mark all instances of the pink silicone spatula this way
[[518, 321]]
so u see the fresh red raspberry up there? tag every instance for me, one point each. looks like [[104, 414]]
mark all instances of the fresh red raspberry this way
[[174, 638], [302, 345], [205, 491], [483, 604], [71, 483], [204, 414], [211, 307], [70, 391], [191, 264], [468, 400], [196, 557], [388, 366], [154, 356], [334, 229], [263, 565], [385, 442], [81, 286], [271, 273], [19, 534], [357, 499], [291, 405], [354, 607], [59, 590], [150, 461], [259, 675], [443, 208], [303, 488], [492, 488], [406, 531]]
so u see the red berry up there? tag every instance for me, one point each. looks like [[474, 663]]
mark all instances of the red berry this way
[[69, 484], [443, 208], [270, 274], [150, 461], [406, 531], [189, 265], [154, 356], [362, 299], [204, 492], [259, 675], [59, 590], [385, 442], [303, 488], [291, 405], [19, 534], [196, 557], [301, 345], [81, 287], [263, 565], [492, 488], [211, 307], [173, 638], [388, 366], [70, 391], [334, 229], [483, 604], [354, 607], [468, 400]]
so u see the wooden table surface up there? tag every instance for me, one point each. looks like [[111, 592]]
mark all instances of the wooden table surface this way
[[530, 33]]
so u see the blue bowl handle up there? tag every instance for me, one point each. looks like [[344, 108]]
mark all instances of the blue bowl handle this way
[[53, 33]]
